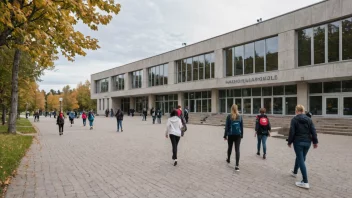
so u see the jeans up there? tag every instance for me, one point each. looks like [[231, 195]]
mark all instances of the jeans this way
[[237, 140], [174, 141], [119, 125], [61, 128], [84, 122], [301, 149], [159, 120], [91, 123], [154, 119], [71, 120], [261, 139]]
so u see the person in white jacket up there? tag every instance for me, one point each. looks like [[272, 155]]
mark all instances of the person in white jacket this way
[[173, 130]]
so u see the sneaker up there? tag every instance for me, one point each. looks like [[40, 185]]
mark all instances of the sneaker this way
[[302, 185], [292, 173], [258, 153], [228, 160], [237, 169], [264, 156], [121, 130], [175, 163]]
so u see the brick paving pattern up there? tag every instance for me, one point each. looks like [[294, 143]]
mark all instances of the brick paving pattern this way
[[137, 163]]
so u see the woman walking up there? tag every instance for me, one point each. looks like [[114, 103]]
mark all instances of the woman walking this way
[[84, 118], [234, 134], [173, 130], [302, 133], [91, 119], [262, 130], [61, 121]]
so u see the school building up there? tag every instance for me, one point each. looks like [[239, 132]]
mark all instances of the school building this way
[[304, 57]]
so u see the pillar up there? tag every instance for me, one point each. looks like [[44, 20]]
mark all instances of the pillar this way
[[171, 75], [151, 102], [287, 50], [181, 99], [302, 94], [128, 81], [219, 64], [214, 101]]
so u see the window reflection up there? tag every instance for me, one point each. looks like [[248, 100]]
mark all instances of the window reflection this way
[[333, 41], [272, 58], [304, 47], [259, 56], [319, 44], [248, 58], [347, 39], [239, 60]]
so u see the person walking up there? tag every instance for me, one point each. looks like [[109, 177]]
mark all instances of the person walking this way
[[186, 114], [91, 119], [153, 114], [72, 117], [158, 115], [112, 112], [262, 130], [302, 133], [234, 134], [173, 130], [144, 114], [84, 118], [61, 121], [119, 118]]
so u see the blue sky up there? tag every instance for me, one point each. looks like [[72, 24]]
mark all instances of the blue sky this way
[[146, 28]]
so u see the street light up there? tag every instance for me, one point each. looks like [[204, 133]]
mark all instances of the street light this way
[[60, 99]]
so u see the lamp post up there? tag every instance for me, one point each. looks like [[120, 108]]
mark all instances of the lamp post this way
[[60, 99]]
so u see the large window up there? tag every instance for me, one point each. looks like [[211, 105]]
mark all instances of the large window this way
[[198, 101], [141, 103], [279, 100], [256, 57], [195, 68], [125, 105], [118, 82], [137, 77], [157, 75], [166, 103], [322, 44], [102, 85]]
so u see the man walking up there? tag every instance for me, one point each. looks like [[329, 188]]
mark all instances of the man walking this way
[[119, 118], [186, 114], [302, 133]]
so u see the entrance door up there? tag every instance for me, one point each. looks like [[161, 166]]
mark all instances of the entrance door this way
[[267, 103], [347, 106], [332, 106]]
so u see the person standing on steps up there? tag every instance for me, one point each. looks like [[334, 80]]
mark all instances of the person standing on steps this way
[[234, 134], [158, 115], [153, 114], [61, 121], [72, 117], [84, 118], [186, 114], [262, 130], [119, 118], [302, 133], [173, 130], [91, 119]]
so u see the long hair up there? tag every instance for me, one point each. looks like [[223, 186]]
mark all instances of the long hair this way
[[234, 112]]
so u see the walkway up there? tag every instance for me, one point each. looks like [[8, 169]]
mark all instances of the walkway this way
[[137, 163]]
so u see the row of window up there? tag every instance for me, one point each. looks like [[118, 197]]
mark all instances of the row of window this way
[[195, 68], [330, 87], [118, 82], [166, 103], [158, 75], [102, 85], [102, 103], [137, 77], [325, 43], [198, 101], [255, 57], [259, 91]]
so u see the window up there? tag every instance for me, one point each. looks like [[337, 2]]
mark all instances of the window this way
[[229, 62], [158, 75], [137, 79], [118, 82], [315, 88], [347, 39], [184, 69], [347, 106], [195, 68], [316, 105], [166, 103], [257, 91], [179, 71], [333, 42], [257, 104], [99, 104], [247, 106], [277, 106], [103, 104], [278, 90], [272, 54], [319, 44], [290, 89], [332, 87], [238, 60], [291, 103], [189, 69], [201, 67], [267, 91], [207, 66], [212, 65], [304, 47], [102, 85], [347, 86], [198, 101], [259, 56], [248, 58]]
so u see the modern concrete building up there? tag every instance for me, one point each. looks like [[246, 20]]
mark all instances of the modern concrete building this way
[[304, 57]]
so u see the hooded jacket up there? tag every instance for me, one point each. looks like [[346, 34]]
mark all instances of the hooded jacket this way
[[302, 129], [173, 126]]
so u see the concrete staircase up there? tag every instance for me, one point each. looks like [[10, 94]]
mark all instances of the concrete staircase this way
[[336, 126]]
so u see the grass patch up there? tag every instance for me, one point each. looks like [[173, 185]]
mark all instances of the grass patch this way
[[28, 129], [12, 149], [23, 122], [22, 126]]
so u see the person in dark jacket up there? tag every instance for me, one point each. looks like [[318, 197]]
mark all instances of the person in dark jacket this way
[[262, 130], [153, 114], [186, 112], [119, 118], [234, 134], [144, 114], [302, 133], [61, 121]]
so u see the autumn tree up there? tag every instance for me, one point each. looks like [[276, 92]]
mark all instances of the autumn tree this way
[[83, 97], [42, 28], [53, 102]]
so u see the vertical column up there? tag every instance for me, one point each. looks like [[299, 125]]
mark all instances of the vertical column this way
[[287, 48], [219, 63], [128, 81], [132, 103], [145, 78], [181, 99], [302, 94], [151, 102], [171, 73], [214, 101]]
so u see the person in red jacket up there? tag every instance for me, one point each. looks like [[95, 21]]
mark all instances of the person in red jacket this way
[[84, 118]]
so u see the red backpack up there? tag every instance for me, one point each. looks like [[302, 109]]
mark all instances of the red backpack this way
[[263, 121]]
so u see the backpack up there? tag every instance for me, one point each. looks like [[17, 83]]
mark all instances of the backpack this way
[[84, 116], [90, 116], [235, 128], [61, 120], [263, 124]]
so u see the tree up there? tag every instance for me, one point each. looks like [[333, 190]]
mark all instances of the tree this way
[[42, 28], [53, 102], [83, 97]]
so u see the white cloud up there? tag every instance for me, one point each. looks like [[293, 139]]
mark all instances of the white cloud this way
[[146, 28]]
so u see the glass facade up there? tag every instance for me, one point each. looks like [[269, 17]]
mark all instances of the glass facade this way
[[166, 103], [195, 68], [141, 103], [125, 105], [157, 75], [198, 102], [259, 56], [250, 100], [102, 85], [118, 82], [137, 78], [322, 44]]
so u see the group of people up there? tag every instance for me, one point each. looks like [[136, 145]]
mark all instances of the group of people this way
[[60, 121], [302, 134]]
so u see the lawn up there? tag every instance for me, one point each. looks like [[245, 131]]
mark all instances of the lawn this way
[[22, 126], [12, 149]]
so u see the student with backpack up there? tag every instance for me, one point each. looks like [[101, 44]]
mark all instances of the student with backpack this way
[[153, 114], [72, 116], [158, 116], [234, 134], [174, 131], [91, 119], [84, 118], [262, 131], [61, 121], [119, 118]]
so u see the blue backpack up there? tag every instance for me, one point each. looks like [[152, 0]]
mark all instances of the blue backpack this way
[[235, 126]]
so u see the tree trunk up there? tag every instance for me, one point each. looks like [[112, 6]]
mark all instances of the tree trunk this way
[[3, 118], [14, 92]]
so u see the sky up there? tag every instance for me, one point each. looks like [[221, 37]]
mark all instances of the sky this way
[[145, 28]]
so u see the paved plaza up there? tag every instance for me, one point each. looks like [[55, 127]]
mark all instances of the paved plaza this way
[[137, 163]]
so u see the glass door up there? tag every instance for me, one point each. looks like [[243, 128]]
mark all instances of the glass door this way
[[331, 105], [238, 102], [267, 103], [347, 106], [257, 104], [247, 105]]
